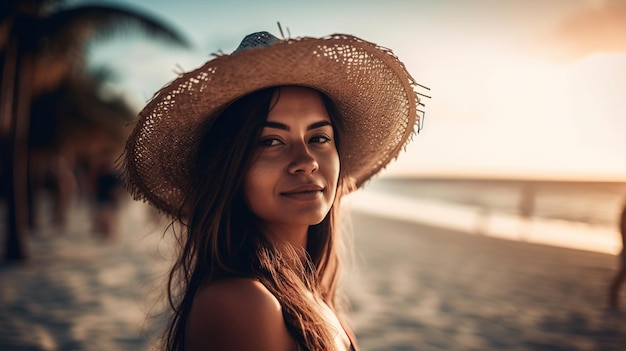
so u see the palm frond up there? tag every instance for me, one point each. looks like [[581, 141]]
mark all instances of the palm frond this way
[[71, 26]]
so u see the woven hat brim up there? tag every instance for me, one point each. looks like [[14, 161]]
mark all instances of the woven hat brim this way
[[370, 86]]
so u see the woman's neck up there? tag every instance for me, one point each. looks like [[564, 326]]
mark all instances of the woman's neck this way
[[288, 238]]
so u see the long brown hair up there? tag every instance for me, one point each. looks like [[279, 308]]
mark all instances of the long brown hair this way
[[220, 237]]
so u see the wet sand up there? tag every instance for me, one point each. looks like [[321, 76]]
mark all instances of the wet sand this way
[[415, 288]]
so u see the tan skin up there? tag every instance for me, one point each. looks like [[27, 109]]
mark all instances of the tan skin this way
[[290, 185]]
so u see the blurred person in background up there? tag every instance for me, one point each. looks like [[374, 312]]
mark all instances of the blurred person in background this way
[[109, 191], [620, 276]]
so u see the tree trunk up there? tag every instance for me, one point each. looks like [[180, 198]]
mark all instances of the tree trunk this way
[[15, 109]]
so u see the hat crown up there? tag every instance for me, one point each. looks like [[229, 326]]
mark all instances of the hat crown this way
[[256, 40]]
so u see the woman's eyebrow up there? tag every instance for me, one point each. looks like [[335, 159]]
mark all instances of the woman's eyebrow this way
[[319, 124], [278, 125]]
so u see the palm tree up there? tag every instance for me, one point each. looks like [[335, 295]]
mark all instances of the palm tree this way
[[41, 44], [77, 127]]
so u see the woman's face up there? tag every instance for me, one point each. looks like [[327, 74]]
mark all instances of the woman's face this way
[[292, 180]]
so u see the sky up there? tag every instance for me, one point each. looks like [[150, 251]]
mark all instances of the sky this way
[[520, 89]]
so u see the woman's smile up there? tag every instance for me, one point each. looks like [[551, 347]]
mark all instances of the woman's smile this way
[[308, 192]]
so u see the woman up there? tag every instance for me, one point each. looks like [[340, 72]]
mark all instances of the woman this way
[[252, 153]]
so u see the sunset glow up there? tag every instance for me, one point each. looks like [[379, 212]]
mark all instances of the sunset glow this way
[[518, 89]]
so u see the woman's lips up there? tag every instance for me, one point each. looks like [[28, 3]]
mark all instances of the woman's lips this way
[[308, 192]]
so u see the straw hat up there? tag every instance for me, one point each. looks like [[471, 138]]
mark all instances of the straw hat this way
[[371, 88]]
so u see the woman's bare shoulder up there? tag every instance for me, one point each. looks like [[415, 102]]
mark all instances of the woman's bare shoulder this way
[[237, 314]]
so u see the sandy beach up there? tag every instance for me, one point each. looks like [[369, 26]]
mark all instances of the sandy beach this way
[[414, 287], [424, 288]]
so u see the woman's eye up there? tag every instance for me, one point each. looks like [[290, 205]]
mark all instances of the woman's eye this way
[[321, 139], [270, 142]]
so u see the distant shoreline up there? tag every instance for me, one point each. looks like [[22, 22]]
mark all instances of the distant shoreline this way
[[576, 214], [502, 179]]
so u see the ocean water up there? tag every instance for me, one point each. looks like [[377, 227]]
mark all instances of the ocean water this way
[[579, 215], [593, 203]]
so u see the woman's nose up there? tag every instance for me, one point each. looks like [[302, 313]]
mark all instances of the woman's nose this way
[[303, 161]]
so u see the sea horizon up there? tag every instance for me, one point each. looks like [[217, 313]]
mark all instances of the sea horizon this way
[[565, 213]]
